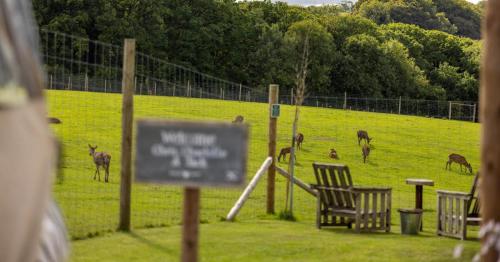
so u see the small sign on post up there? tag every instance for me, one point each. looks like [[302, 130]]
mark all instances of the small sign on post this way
[[275, 110], [192, 154]]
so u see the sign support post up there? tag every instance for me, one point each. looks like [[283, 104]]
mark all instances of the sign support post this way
[[191, 219]]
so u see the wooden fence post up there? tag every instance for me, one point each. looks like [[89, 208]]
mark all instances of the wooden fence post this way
[[271, 173], [190, 224], [127, 118], [490, 121]]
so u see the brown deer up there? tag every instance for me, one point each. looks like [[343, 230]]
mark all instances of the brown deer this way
[[333, 154], [283, 152], [53, 120], [100, 159], [459, 160], [238, 119], [299, 138], [363, 135], [365, 150]]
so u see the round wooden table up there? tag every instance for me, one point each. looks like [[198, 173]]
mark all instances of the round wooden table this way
[[419, 190]]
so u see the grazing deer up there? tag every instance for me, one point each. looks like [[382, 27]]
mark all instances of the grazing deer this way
[[299, 138], [239, 119], [363, 135], [366, 152], [100, 159], [53, 120], [284, 151], [459, 160], [333, 154]]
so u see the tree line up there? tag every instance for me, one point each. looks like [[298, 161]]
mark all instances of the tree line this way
[[255, 43]]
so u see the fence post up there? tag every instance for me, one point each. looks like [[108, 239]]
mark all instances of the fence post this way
[[399, 107], [271, 171], [449, 111], [155, 87], [474, 114], [86, 82], [291, 96], [173, 92], [489, 188], [127, 118], [345, 100], [51, 82], [187, 89], [105, 84], [239, 97]]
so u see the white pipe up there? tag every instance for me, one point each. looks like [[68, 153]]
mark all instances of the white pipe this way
[[248, 190]]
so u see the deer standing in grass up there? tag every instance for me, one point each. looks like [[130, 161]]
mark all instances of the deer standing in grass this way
[[333, 154], [363, 135], [299, 138], [459, 159], [365, 150], [100, 159], [238, 119], [283, 152]]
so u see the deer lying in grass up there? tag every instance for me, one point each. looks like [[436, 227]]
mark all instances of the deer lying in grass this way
[[459, 160], [100, 159], [333, 154], [299, 138], [365, 150], [238, 119], [283, 152], [363, 135]]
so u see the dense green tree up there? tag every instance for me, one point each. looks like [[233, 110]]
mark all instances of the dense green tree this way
[[255, 42]]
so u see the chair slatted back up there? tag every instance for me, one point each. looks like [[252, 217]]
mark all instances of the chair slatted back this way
[[473, 204], [335, 176]]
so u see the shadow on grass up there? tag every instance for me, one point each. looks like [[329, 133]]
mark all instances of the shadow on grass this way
[[352, 232], [151, 244]]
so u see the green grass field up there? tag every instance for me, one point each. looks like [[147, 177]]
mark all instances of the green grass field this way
[[405, 147]]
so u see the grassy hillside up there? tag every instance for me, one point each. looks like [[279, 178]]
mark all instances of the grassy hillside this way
[[405, 147]]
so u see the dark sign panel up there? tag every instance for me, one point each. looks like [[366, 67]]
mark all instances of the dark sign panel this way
[[191, 153]]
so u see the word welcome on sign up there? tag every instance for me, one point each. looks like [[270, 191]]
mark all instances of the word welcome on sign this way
[[191, 153]]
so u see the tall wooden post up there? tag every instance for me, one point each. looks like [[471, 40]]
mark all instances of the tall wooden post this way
[[490, 119], [271, 173], [127, 118], [191, 218]]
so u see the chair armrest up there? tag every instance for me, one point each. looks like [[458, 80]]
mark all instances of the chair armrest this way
[[327, 188], [453, 194], [363, 189]]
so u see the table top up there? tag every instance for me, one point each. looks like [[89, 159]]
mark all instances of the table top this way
[[419, 182]]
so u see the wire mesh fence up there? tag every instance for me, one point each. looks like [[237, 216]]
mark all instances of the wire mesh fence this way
[[84, 92], [456, 110]]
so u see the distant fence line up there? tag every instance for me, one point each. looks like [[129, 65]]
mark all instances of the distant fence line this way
[[75, 63]]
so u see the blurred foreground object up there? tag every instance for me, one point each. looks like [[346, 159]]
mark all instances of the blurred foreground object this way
[[26, 144]]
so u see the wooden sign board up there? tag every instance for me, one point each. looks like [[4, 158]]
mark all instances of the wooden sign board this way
[[275, 110], [192, 154]]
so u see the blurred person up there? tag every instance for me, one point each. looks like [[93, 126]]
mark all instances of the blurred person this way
[[31, 227]]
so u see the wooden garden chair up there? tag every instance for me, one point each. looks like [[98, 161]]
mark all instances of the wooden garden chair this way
[[456, 210], [339, 203]]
